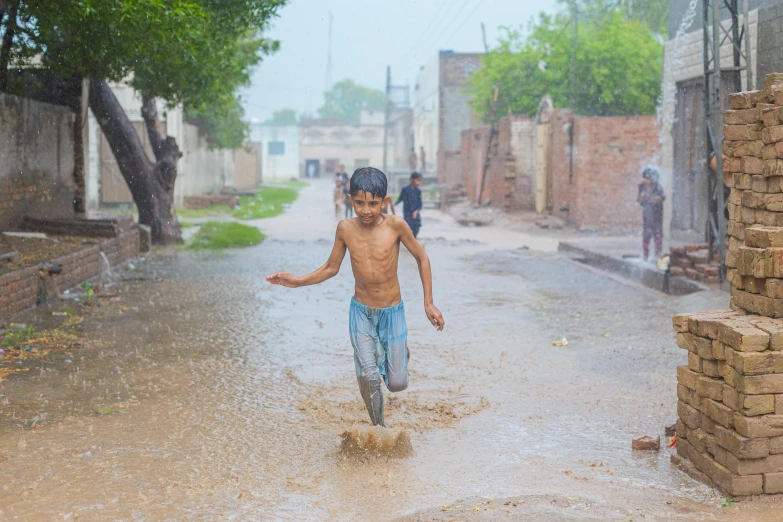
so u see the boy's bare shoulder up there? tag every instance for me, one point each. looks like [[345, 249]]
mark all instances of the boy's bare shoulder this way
[[396, 222]]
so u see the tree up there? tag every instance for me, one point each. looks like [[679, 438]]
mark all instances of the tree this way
[[347, 99], [619, 66], [194, 52], [223, 122], [283, 117]]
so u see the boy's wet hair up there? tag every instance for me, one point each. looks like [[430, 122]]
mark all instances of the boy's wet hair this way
[[416, 175], [370, 180]]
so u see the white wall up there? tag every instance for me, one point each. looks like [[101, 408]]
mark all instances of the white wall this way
[[349, 143], [426, 103], [277, 167], [684, 60], [200, 170]]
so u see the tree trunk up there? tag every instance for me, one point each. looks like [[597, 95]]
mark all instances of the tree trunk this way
[[78, 158], [5, 50], [151, 183]]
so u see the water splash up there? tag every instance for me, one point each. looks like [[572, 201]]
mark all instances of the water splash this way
[[106, 262]]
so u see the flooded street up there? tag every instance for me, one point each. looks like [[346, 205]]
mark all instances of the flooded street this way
[[212, 395]]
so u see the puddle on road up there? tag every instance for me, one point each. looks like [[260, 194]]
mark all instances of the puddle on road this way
[[216, 396]]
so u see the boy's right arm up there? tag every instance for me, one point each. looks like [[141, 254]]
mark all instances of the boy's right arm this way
[[327, 271]]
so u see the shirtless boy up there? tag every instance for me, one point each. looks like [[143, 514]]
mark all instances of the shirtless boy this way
[[377, 327]]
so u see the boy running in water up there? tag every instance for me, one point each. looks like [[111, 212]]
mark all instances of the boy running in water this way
[[377, 327]]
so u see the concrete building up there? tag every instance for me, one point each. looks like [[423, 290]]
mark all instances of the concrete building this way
[[441, 111], [325, 144], [201, 170], [683, 136], [279, 149]]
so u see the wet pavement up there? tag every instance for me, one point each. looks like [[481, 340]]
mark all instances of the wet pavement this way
[[211, 395]]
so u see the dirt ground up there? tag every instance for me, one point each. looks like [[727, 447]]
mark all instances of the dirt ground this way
[[206, 394], [33, 250]]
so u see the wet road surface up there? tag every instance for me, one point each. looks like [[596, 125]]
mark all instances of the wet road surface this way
[[211, 395]]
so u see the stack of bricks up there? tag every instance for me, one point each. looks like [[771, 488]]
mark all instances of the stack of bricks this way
[[693, 262], [730, 408]]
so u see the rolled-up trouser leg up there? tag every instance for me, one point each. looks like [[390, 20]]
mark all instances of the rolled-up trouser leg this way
[[393, 335], [365, 345]]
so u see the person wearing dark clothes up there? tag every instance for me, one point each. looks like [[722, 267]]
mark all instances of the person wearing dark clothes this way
[[651, 198], [411, 197], [346, 191]]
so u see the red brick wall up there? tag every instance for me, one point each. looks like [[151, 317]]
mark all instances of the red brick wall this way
[[18, 291], [507, 174], [609, 155]]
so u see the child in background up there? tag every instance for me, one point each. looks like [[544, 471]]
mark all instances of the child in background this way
[[651, 198], [339, 197]]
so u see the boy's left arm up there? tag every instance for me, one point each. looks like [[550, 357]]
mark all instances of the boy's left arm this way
[[425, 270]]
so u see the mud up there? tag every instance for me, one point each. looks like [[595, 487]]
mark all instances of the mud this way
[[206, 394], [376, 442]]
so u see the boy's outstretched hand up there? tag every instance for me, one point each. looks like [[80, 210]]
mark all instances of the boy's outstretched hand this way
[[283, 279], [435, 317]]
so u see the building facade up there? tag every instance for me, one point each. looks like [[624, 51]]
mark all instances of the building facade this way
[[683, 132], [324, 145], [279, 150], [441, 111]]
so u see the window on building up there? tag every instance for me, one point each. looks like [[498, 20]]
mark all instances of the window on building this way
[[276, 148]]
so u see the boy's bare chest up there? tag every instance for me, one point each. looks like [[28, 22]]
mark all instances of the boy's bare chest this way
[[378, 248]]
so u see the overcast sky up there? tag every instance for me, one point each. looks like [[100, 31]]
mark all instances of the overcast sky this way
[[366, 37]]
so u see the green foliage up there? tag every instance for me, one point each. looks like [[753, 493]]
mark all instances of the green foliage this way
[[197, 52], [727, 502], [16, 335], [347, 99], [222, 122], [267, 203], [619, 67], [283, 117], [226, 234]]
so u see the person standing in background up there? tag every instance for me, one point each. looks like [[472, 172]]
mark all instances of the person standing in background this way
[[423, 159], [412, 159], [411, 198], [651, 198], [346, 192]]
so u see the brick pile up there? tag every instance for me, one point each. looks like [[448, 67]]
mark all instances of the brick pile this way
[[693, 262], [730, 408]]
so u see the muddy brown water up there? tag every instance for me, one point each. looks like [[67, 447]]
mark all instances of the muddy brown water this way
[[210, 395]]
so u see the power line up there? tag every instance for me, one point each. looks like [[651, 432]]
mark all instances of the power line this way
[[424, 33], [426, 49], [466, 21], [447, 26]]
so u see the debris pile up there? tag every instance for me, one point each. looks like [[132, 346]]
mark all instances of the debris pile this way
[[730, 408], [694, 262]]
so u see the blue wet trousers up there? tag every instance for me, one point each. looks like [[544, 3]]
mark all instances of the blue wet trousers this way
[[380, 348]]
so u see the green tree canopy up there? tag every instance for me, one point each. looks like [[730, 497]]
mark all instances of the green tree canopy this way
[[346, 99], [197, 52], [283, 117], [619, 65]]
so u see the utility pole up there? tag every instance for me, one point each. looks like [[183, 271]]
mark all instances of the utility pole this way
[[748, 66], [329, 56], [386, 116], [717, 129], [484, 37]]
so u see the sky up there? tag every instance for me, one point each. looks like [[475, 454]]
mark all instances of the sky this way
[[366, 37]]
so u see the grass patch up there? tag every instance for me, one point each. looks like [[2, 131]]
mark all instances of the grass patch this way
[[16, 335], [187, 224], [213, 211], [267, 203], [293, 184], [226, 234]]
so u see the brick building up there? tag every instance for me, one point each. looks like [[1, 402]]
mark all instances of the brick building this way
[[441, 111], [529, 157], [683, 138]]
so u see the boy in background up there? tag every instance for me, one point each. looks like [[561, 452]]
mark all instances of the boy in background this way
[[411, 198]]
